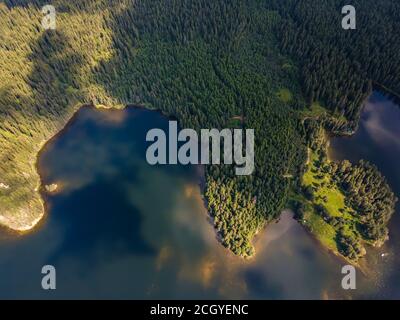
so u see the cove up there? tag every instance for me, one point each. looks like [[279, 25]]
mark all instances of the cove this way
[[378, 141], [117, 227]]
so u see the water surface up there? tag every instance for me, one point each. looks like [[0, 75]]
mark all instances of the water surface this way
[[378, 141], [119, 228]]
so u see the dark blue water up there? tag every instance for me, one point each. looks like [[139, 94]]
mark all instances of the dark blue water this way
[[378, 141], [119, 228], [95, 232]]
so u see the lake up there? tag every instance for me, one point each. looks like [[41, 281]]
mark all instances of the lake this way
[[378, 141], [117, 227]]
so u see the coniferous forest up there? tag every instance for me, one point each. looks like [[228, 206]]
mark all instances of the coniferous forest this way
[[339, 68], [205, 63]]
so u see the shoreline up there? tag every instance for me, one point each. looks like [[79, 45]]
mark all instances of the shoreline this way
[[337, 255], [22, 228], [33, 224], [40, 189], [363, 263], [364, 270]]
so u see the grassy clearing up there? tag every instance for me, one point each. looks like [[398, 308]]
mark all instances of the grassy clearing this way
[[325, 194], [323, 231], [326, 191], [315, 111], [285, 95]]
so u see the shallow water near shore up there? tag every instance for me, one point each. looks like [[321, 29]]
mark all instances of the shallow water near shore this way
[[117, 227]]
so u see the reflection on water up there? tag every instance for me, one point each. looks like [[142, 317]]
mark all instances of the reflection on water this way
[[378, 140], [119, 228]]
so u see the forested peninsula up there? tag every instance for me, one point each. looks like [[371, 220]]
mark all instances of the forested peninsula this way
[[284, 68]]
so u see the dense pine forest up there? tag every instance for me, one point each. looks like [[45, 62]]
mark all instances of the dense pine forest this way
[[339, 68], [369, 194], [203, 62]]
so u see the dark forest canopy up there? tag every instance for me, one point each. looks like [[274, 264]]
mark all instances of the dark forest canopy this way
[[340, 67], [369, 194], [204, 62]]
